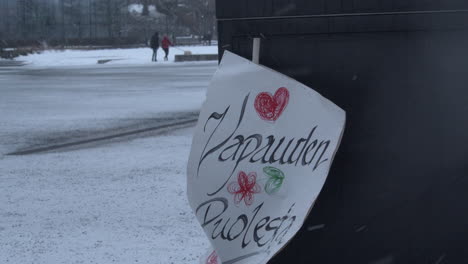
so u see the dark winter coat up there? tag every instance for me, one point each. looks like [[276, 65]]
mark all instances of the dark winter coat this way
[[154, 43]]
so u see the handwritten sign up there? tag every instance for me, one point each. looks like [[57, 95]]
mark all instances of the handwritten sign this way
[[261, 152]]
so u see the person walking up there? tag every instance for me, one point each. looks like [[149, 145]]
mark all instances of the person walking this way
[[165, 46], [154, 44]]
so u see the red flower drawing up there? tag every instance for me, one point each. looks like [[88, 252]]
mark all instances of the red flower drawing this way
[[212, 258], [244, 188]]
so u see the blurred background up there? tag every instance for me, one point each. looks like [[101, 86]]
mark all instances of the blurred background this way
[[29, 25], [96, 127]]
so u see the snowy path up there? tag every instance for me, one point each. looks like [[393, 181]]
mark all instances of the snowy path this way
[[119, 201], [134, 56], [39, 106]]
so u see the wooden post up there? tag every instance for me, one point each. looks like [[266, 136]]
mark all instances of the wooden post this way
[[256, 50]]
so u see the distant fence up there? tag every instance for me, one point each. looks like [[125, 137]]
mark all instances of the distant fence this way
[[194, 40], [10, 49], [11, 53], [13, 48], [71, 42]]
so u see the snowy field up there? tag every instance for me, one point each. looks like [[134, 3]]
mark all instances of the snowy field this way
[[118, 56], [108, 201]]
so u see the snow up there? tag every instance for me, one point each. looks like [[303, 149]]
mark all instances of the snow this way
[[118, 56], [118, 201], [138, 9], [42, 104], [123, 203]]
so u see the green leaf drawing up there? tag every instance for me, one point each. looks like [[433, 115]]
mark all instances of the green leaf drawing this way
[[275, 180]]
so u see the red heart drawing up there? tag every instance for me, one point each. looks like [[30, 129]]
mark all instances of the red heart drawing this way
[[270, 107]]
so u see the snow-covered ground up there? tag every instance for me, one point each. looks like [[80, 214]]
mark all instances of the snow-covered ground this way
[[118, 201], [39, 105], [118, 56]]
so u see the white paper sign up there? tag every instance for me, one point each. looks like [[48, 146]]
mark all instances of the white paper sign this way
[[261, 153]]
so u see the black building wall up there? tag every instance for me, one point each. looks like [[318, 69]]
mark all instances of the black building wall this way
[[398, 189]]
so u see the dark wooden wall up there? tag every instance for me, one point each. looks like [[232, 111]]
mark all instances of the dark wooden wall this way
[[265, 8], [398, 189]]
